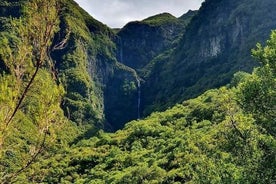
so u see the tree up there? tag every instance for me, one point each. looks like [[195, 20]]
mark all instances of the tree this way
[[257, 94], [35, 33], [30, 89]]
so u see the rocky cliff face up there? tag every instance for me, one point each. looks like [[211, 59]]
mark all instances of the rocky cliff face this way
[[139, 42], [216, 44], [121, 97], [90, 72]]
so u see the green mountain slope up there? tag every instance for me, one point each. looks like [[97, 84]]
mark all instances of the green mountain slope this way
[[216, 44]]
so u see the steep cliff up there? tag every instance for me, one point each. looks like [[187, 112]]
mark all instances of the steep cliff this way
[[216, 44], [139, 42], [92, 74]]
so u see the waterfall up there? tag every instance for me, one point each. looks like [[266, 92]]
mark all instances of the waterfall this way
[[139, 98]]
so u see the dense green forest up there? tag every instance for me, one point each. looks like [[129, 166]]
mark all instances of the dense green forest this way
[[61, 81]]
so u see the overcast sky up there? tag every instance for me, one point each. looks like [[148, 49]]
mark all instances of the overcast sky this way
[[116, 13]]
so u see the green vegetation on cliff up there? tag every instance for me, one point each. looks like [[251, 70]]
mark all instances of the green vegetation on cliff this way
[[216, 44], [89, 70], [160, 19]]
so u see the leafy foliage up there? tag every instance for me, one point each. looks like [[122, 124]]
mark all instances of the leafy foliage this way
[[258, 92]]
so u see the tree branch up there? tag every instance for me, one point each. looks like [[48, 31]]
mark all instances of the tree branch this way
[[23, 94], [233, 123], [8, 180]]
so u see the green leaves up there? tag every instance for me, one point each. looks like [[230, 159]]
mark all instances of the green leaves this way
[[257, 94]]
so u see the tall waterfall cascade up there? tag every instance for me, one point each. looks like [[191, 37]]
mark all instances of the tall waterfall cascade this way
[[139, 98]]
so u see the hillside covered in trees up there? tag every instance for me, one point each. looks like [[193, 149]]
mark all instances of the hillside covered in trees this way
[[67, 82]]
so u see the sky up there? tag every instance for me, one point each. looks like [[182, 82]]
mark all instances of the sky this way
[[116, 13]]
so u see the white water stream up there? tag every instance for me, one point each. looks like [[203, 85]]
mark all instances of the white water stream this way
[[139, 98]]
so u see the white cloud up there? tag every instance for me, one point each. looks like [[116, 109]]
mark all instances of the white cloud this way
[[116, 13]]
